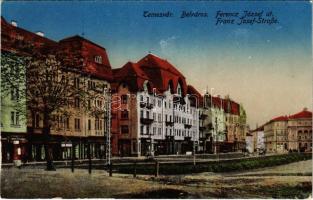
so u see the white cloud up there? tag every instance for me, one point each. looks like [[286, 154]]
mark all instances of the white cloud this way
[[165, 43]]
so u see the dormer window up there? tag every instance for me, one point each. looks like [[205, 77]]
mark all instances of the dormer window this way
[[98, 59], [179, 92]]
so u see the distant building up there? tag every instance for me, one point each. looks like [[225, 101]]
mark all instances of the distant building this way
[[289, 133], [256, 138], [222, 125], [299, 132]]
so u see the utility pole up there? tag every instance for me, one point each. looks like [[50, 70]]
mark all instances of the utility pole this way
[[107, 132]]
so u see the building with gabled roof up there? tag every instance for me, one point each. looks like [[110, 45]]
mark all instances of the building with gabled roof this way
[[152, 111]]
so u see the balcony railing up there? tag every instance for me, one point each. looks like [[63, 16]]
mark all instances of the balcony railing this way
[[149, 105], [202, 128], [169, 123], [146, 120], [188, 126], [142, 104], [203, 116]]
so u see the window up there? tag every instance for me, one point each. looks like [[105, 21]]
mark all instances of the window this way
[[141, 130], [77, 124], [154, 130], [89, 104], [141, 98], [89, 124], [124, 129], [67, 123], [91, 85], [97, 123], [179, 91], [147, 100], [77, 102], [15, 118], [148, 114], [154, 116], [14, 94], [159, 117], [37, 120], [76, 82], [12, 118], [124, 99], [159, 103], [141, 113], [124, 114], [98, 59]]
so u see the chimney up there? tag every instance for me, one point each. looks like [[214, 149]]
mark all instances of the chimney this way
[[14, 23], [40, 33]]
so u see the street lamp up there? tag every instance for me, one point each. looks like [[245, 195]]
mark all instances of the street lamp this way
[[107, 119]]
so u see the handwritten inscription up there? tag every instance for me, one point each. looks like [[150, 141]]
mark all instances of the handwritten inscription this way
[[245, 18]]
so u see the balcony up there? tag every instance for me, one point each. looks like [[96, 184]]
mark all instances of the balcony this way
[[142, 104], [149, 105], [146, 120], [188, 126], [203, 116], [169, 123], [145, 133], [202, 128]]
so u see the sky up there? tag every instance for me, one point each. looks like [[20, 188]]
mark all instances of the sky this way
[[265, 67]]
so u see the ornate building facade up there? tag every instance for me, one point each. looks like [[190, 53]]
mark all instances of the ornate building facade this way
[[152, 112], [289, 133]]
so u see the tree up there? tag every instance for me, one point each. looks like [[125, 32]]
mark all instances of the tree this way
[[48, 89], [51, 86]]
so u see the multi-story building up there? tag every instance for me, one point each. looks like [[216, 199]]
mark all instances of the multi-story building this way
[[275, 133], [236, 126], [212, 124], [222, 125], [15, 44], [87, 121], [256, 140], [152, 112], [299, 131], [289, 133]]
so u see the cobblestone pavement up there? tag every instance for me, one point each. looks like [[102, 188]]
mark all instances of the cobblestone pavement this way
[[286, 181]]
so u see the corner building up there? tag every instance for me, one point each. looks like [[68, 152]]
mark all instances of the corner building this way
[[152, 112]]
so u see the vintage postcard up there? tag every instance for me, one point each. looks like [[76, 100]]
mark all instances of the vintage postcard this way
[[156, 99]]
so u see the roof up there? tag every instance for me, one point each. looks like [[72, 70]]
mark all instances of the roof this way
[[76, 52], [304, 114], [301, 115], [280, 118], [81, 52], [159, 72], [18, 40], [132, 75], [192, 91], [261, 128]]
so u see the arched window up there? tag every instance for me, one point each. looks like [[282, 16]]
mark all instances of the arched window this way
[[147, 86], [179, 89]]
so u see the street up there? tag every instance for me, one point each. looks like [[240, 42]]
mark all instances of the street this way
[[285, 181]]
